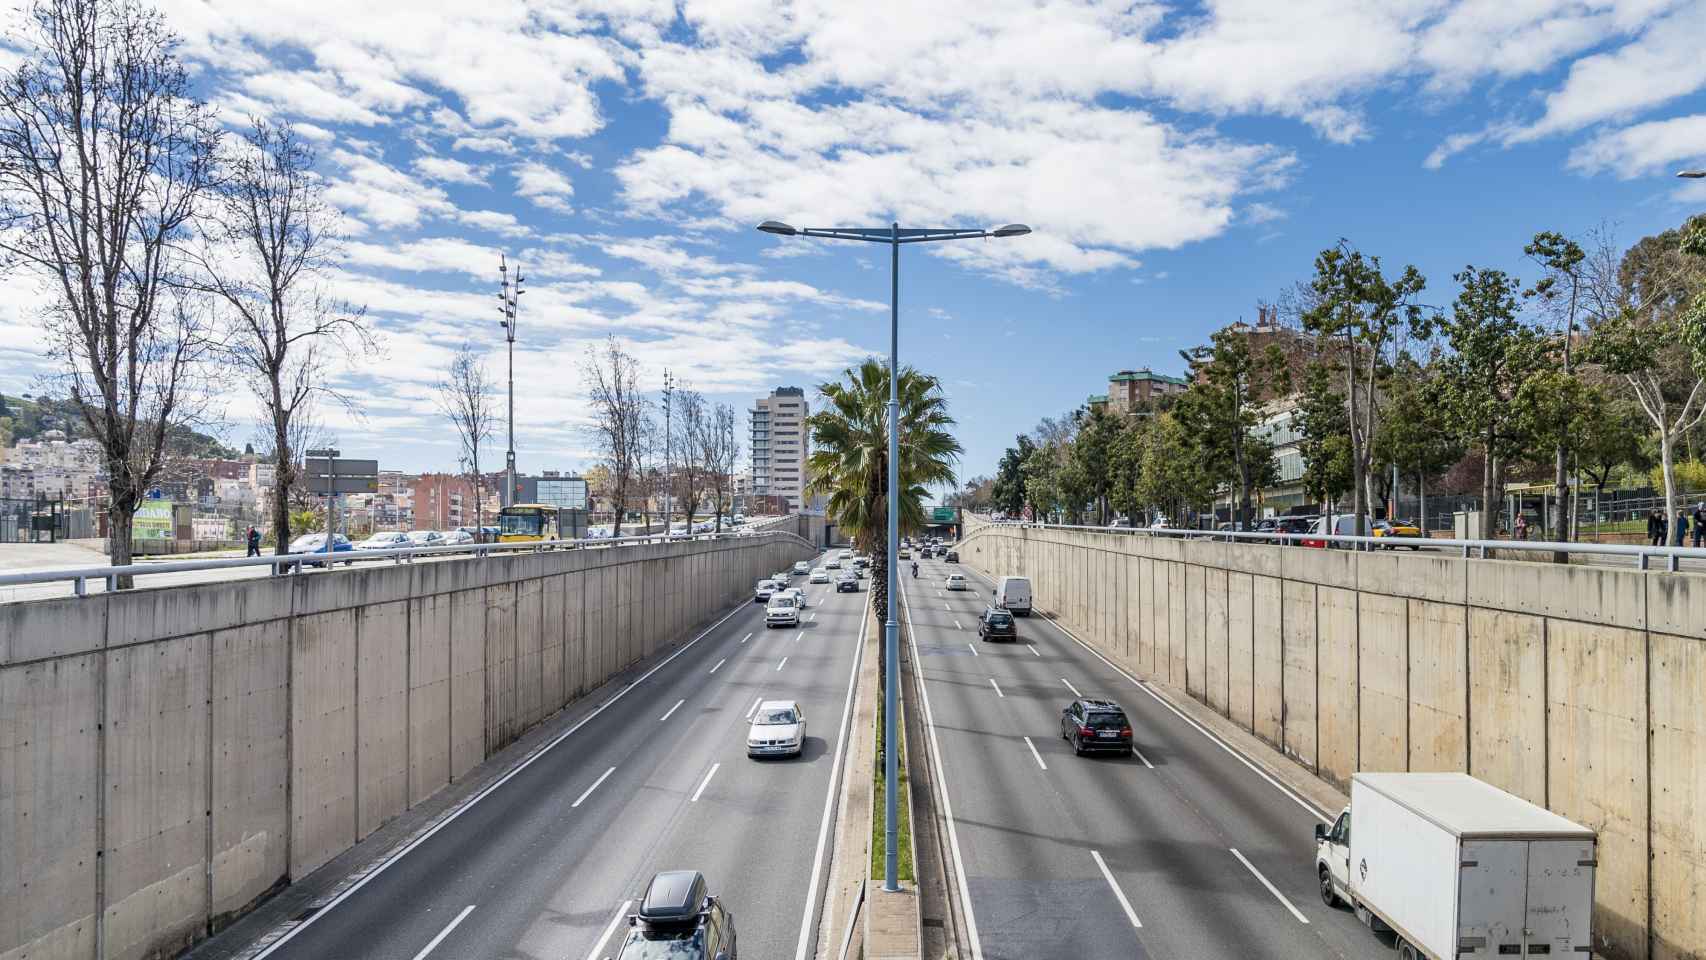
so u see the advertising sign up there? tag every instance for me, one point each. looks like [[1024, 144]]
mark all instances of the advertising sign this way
[[153, 521]]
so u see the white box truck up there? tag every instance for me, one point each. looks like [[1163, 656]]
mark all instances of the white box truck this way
[[1456, 867]]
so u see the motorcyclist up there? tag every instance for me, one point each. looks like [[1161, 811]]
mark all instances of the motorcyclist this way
[[915, 569]]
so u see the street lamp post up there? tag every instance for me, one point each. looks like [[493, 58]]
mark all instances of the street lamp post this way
[[1692, 174], [509, 296], [668, 402], [894, 236]]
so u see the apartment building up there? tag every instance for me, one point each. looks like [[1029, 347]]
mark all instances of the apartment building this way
[[779, 445]]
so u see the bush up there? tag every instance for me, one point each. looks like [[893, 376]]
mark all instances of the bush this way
[[1690, 476]]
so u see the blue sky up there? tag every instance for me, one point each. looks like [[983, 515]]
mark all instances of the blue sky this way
[[1179, 163]]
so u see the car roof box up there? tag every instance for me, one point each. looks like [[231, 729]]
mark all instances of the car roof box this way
[[674, 896]]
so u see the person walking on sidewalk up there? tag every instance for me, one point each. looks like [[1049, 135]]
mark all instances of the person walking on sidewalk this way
[[1655, 529], [1681, 536], [1699, 525], [254, 541]]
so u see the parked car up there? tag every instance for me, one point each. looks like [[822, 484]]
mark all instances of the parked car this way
[[819, 575], [1093, 724], [847, 583], [678, 918], [426, 538], [389, 540], [316, 543], [953, 556], [997, 624], [782, 610], [957, 581], [778, 730], [1398, 528], [452, 538], [1294, 525], [764, 590]]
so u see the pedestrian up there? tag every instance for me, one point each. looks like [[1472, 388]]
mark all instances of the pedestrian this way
[[254, 541], [1655, 529], [1681, 535], [1522, 526], [1699, 525]]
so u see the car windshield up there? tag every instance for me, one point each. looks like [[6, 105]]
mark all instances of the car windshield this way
[[651, 943], [782, 600], [1105, 720], [777, 715]]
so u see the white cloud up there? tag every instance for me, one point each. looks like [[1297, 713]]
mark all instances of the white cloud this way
[[432, 255], [386, 196], [543, 186], [1645, 148], [448, 170]]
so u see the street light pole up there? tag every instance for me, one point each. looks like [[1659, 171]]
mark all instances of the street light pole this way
[[509, 298], [894, 236], [668, 402]]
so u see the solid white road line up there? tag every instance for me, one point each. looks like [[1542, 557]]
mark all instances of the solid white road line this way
[[366, 878], [947, 801], [598, 948], [1317, 812], [841, 742], [672, 710], [752, 709], [746, 638], [1033, 649], [446, 931], [973, 648], [1271, 888], [594, 786], [1069, 686], [997, 687], [784, 663], [1145, 759], [705, 782], [799, 635], [1034, 753], [957, 624], [719, 665], [1109, 876]]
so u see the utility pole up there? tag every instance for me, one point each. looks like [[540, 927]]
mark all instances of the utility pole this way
[[668, 398], [508, 298]]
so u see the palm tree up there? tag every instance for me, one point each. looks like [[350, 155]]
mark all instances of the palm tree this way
[[849, 460]]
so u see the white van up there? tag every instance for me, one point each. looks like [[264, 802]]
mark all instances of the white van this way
[[1013, 594]]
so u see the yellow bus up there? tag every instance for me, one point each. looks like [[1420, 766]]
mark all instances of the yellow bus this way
[[529, 523]]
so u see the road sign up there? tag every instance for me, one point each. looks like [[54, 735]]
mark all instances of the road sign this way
[[340, 476], [944, 515]]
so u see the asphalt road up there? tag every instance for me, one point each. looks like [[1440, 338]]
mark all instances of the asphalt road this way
[[545, 864], [1105, 856]]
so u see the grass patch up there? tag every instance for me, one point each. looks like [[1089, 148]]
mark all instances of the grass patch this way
[[879, 836]]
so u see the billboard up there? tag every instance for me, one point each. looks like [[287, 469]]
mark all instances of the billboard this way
[[944, 515], [153, 521], [566, 492]]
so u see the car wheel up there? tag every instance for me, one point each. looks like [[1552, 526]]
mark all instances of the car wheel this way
[[1328, 897], [1077, 747]]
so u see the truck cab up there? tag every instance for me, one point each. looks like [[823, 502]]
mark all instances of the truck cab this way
[[1333, 858]]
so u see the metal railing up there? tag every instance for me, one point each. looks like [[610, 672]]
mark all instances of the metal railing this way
[[293, 563], [1644, 555]]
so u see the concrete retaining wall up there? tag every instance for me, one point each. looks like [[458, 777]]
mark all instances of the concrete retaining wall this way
[[1581, 688], [168, 757]]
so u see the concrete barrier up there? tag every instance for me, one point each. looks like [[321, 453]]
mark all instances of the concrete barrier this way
[[169, 757], [1581, 688]]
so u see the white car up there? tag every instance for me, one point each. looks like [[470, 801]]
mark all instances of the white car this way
[[426, 538], [783, 610], [845, 555], [957, 581], [778, 730], [800, 566], [453, 537], [391, 540], [820, 575], [832, 564], [764, 590]]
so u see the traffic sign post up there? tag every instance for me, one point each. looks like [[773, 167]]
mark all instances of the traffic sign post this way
[[323, 471]]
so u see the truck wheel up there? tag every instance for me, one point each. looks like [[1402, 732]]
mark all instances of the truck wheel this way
[[1405, 951], [1328, 897]]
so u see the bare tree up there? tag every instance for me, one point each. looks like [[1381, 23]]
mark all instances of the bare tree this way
[[694, 423], [465, 396], [648, 448], [104, 159], [306, 433], [263, 256], [618, 415], [718, 450]]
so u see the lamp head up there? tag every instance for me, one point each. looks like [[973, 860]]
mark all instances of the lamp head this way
[[1692, 174], [1010, 230], [778, 228]]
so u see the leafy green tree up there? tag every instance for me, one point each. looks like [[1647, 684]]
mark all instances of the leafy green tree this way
[[1412, 434], [1125, 468], [1088, 470], [1221, 414], [1325, 444], [1609, 436], [1173, 476], [1560, 288], [1655, 341], [1493, 353], [1041, 489], [1009, 488], [1360, 313], [850, 457]]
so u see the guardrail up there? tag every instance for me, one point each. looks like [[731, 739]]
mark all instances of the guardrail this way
[[1644, 555], [293, 563]]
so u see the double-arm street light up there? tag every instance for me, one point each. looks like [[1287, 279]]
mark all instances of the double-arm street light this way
[[894, 236]]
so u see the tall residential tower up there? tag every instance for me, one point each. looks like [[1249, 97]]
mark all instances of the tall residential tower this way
[[779, 446]]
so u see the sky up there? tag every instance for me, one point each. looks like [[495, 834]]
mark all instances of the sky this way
[[1178, 163]]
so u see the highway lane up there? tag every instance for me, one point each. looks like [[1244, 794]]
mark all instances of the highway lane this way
[[657, 780], [1106, 856]]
